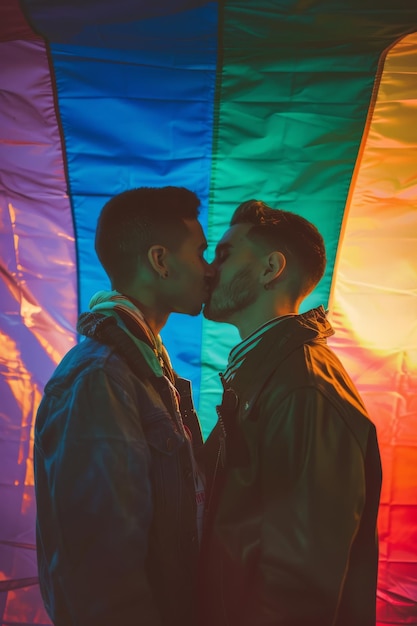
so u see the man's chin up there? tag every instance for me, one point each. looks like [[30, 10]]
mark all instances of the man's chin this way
[[211, 315], [194, 311], [206, 312]]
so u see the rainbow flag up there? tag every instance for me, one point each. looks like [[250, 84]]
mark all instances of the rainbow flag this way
[[310, 106]]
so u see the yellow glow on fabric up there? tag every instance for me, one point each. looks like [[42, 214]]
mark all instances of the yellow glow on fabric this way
[[374, 312]]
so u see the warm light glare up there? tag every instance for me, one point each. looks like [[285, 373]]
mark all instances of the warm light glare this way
[[374, 312]]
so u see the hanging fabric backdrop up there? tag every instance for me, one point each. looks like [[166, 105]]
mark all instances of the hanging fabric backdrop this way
[[310, 106]]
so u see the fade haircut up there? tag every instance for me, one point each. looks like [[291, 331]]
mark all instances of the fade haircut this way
[[293, 235], [134, 220]]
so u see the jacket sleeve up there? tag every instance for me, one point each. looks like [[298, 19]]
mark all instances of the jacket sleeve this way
[[101, 486], [313, 493]]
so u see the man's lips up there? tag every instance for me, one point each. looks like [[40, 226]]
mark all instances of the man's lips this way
[[207, 294]]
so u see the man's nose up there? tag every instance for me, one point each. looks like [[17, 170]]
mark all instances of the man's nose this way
[[211, 269]]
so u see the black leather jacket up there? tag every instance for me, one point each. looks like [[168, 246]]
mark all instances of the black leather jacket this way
[[291, 526], [116, 507]]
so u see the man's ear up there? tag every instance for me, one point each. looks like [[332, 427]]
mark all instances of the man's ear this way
[[274, 267], [157, 257]]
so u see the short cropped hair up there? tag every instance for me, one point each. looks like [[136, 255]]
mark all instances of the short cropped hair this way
[[293, 235], [134, 220]]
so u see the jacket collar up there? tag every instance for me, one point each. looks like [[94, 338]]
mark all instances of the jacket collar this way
[[274, 347]]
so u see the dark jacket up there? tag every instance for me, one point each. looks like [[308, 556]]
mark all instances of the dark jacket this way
[[116, 507], [291, 527]]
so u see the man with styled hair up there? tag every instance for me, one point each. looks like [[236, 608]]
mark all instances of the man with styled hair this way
[[293, 464], [119, 494]]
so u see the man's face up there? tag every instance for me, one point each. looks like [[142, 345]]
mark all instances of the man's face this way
[[236, 284], [189, 272]]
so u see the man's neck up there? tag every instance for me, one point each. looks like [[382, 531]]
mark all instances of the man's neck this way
[[248, 320], [155, 319]]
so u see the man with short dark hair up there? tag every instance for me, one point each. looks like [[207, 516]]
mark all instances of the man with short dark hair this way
[[119, 494], [293, 464]]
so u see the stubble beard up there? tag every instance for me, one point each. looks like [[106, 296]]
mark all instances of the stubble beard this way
[[237, 295]]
